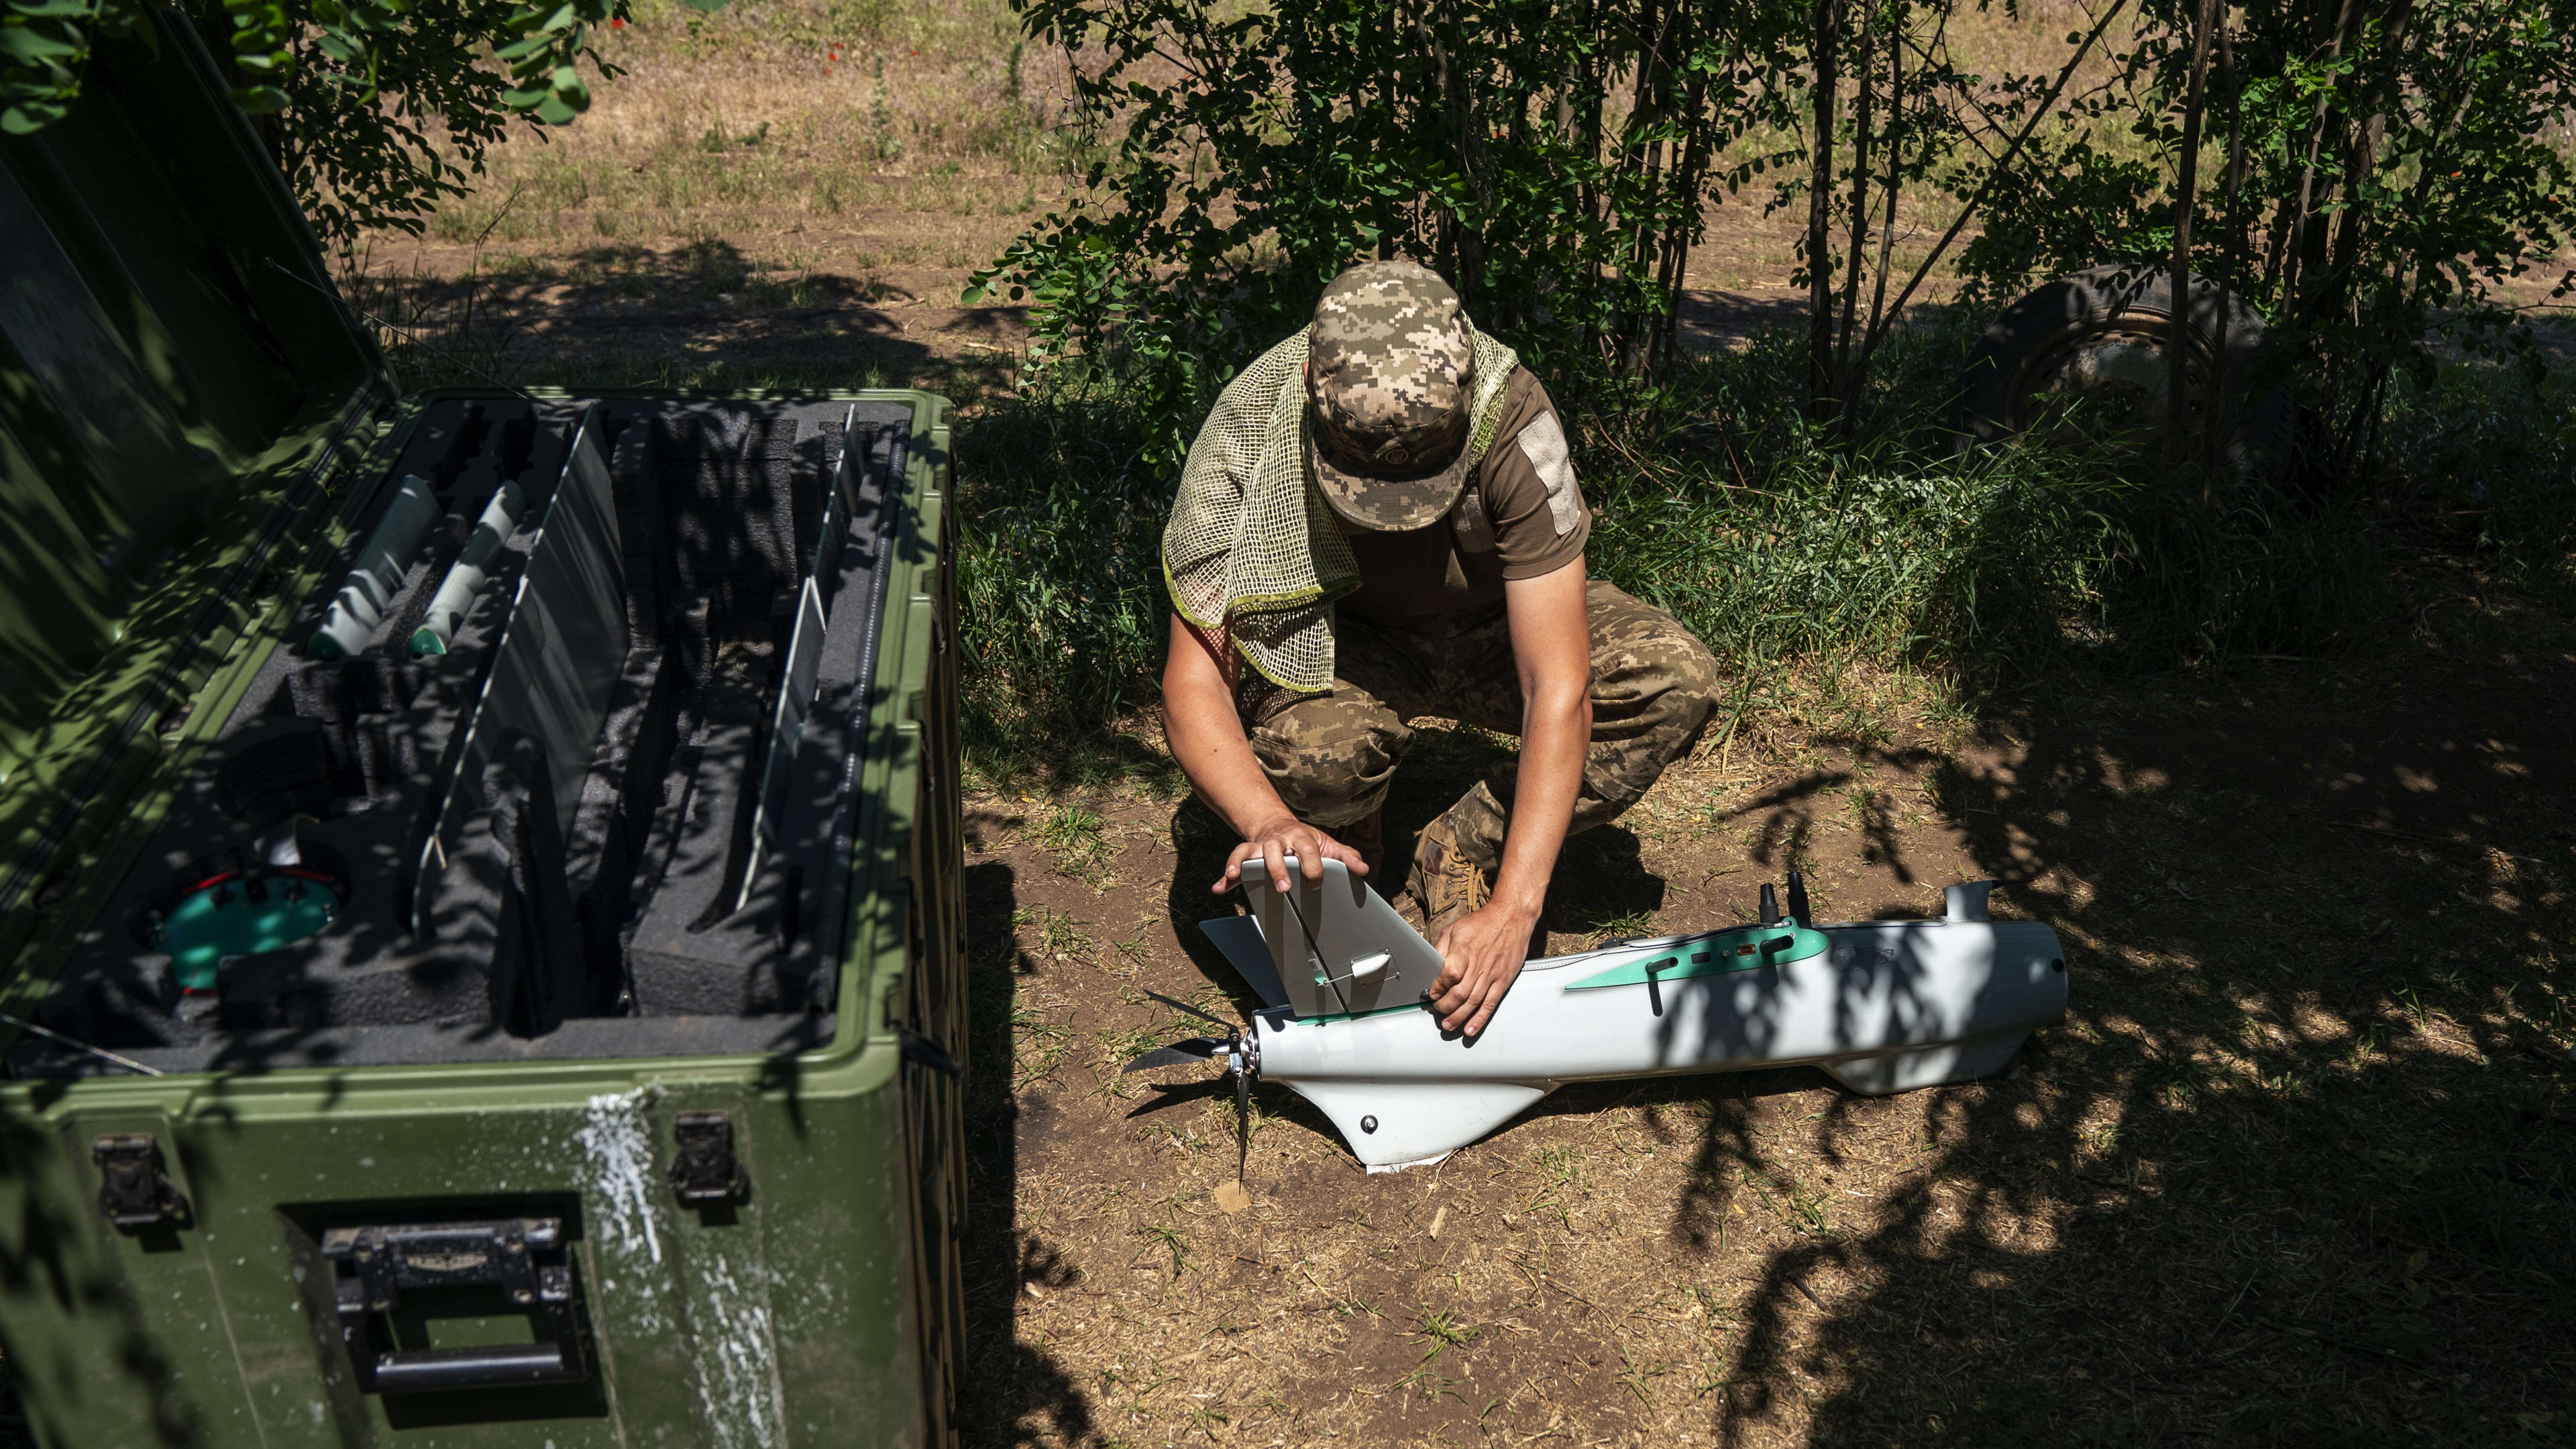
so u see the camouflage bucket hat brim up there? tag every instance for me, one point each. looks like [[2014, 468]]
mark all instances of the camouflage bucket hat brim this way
[[1390, 361]]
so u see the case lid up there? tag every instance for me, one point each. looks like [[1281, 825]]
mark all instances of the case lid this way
[[176, 368]]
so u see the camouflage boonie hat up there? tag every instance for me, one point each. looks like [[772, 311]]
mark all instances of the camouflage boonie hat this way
[[1389, 363]]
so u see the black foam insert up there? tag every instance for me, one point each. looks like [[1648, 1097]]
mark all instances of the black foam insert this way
[[640, 928]]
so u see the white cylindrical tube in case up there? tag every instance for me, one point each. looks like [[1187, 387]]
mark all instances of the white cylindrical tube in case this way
[[457, 592], [360, 605]]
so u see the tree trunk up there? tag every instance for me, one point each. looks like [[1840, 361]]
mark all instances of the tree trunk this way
[[2232, 260], [2290, 239], [1820, 181], [2186, 178], [2364, 154], [1895, 181], [1689, 174], [1862, 116]]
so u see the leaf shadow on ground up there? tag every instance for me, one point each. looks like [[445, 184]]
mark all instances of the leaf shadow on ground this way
[[2296, 1166], [703, 313]]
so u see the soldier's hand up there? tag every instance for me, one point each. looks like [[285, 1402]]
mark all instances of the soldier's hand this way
[[1272, 842], [1481, 955]]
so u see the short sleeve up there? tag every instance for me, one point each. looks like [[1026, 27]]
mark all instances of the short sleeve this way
[[1530, 493]]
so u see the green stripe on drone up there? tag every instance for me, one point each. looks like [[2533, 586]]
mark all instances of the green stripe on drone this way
[[1715, 956], [1414, 1005]]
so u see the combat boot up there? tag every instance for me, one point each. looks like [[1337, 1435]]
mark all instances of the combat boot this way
[[1445, 884]]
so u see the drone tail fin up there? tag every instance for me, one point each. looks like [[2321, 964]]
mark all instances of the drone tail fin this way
[[1239, 937], [1395, 1125]]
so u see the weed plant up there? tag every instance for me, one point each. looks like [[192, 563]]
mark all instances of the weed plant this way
[[1783, 546], [1061, 605], [2481, 458]]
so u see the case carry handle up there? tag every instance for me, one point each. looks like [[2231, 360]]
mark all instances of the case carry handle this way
[[523, 1257]]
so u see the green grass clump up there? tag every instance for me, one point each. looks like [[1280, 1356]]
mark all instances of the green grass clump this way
[[2480, 458], [1782, 543], [2003, 566], [1060, 583]]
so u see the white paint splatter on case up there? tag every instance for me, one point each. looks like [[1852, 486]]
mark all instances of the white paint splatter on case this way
[[620, 1149], [738, 1361]]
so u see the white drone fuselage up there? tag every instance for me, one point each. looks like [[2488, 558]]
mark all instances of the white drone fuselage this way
[[1881, 1006]]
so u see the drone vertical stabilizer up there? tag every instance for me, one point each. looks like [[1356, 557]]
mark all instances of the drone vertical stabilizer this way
[[1239, 937], [1335, 947], [1392, 1125]]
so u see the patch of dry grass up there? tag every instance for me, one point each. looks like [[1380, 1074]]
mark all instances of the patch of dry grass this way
[[773, 115]]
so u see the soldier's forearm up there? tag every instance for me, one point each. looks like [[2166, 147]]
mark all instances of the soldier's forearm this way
[[1552, 647], [1219, 762], [1206, 736], [1556, 729]]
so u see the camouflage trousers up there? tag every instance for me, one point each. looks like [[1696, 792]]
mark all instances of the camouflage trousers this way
[[1332, 754]]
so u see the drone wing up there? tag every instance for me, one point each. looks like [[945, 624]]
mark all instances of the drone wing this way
[[1239, 937], [1335, 947]]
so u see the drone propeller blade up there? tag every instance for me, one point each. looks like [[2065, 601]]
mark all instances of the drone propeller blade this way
[[1185, 1006], [1196, 1049], [1242, 1123]]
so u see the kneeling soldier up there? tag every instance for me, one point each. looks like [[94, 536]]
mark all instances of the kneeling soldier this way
[[1379, 517]]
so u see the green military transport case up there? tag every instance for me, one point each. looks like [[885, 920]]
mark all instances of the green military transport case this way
[[480, 880]]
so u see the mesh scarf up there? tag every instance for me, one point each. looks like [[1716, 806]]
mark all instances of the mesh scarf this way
[[1252, 551]]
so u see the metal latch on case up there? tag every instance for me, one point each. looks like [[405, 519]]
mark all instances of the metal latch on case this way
[[134, 1189], [705, 1170]]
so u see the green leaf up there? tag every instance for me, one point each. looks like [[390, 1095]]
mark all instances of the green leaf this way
[[260, 100], [25, 118], [562, 16], [29, 46]]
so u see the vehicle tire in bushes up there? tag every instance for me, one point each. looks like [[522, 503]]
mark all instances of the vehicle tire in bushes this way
[[2085, 354]]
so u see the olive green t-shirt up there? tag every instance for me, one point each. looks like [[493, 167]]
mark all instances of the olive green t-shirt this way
[[1520, 516]]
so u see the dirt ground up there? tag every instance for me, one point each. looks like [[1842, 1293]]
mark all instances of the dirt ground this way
[[2294, 1169]]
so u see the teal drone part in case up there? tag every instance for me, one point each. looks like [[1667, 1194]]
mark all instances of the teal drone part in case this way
[[1712, 955], [243, 917]]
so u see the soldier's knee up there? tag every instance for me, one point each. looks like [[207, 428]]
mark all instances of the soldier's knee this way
[[1331, 765], [1669, 672], [1691, 673]]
